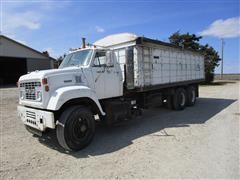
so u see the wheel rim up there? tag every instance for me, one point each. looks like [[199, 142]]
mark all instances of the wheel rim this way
[[182, 99], [80, 129], [193, 96]]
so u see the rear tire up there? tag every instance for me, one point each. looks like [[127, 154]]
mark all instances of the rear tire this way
[[191, 96], [76, 128], [179, 99]]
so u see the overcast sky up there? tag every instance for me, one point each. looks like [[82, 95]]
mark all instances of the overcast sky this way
[[58, 26]]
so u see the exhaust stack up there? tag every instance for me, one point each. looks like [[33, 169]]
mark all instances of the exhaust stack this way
[[83, 42]]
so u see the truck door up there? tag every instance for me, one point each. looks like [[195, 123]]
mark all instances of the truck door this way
[[113, 76], [98, 68], [106, 76]]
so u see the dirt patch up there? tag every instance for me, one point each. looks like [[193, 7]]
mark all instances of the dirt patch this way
[[199, 142]]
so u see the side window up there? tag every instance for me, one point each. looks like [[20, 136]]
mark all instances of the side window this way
[[100, 59]]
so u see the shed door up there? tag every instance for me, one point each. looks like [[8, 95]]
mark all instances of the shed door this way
[[11, 69]]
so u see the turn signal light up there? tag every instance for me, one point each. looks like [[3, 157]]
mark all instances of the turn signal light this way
[[47, 88], [44, 81]]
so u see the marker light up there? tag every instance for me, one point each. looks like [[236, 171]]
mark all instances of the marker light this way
[[44, 81], [47, 88]]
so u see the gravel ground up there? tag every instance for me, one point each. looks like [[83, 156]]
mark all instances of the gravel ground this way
[[199, 142]]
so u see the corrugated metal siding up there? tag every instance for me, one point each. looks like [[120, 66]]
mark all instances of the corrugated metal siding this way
[[158, 64], [167, 65], [10, 49]]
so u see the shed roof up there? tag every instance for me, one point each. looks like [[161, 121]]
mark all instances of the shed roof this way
[[44, 56]]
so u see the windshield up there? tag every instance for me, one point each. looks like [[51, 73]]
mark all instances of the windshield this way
[[79, 58]]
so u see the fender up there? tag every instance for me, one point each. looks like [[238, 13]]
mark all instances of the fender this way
[[64, 94]]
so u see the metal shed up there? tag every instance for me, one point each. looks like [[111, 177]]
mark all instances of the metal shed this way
[[17, 59]]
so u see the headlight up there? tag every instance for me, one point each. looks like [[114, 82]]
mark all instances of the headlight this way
[[21, 95], [39, 95]]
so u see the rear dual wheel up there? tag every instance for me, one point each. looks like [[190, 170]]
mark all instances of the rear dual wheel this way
[[191, 96], [179, 99], [76, 128], [182, 98]]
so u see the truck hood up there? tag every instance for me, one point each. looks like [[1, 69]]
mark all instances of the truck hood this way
[[47, 73]]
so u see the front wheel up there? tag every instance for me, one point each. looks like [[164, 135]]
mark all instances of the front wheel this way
[[76, 128]]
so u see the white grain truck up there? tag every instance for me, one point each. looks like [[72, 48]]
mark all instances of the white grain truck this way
[[111, 79]]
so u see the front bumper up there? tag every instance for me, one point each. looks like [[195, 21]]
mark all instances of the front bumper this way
[[38, 119]]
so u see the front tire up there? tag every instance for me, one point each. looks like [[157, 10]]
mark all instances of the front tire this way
[[76, 128]]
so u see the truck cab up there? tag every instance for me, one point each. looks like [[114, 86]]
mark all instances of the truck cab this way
[[85, 77]]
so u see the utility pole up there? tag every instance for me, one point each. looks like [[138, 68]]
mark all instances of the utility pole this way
[[222, 40], [1, 17]]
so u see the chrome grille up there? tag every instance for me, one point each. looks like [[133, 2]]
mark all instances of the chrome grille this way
[[30, 91], [30, 94], [30, 114], [30, 84]]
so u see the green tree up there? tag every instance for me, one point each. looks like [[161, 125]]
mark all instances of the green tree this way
[[191, 42], [59, 60]]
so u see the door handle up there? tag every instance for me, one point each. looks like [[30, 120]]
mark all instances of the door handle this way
[[100, 71]]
